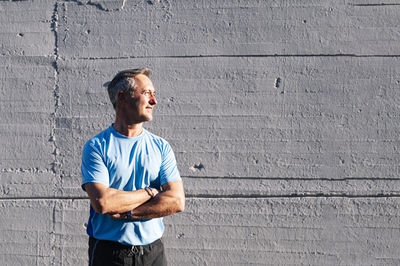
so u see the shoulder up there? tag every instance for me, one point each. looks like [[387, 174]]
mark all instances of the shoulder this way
[[160, 142], [154, 138], [97, 141]]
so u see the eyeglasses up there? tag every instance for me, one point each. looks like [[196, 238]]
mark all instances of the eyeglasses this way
[[148, 92]]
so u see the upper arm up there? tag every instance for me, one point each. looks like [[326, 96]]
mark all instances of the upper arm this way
[[168, 169], [175, 189], [175, 186], [96, 192], [93, 168]]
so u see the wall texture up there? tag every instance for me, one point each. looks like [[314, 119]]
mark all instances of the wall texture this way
[[283, 115]]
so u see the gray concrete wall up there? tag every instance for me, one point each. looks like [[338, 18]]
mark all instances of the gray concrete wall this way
[[284, 117]]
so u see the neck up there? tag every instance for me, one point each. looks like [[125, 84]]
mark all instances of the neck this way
[[128, 129]]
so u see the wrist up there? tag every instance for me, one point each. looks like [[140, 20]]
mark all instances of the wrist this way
[[150, 192]]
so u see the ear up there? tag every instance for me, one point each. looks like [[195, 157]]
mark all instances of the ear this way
[[120, 98]]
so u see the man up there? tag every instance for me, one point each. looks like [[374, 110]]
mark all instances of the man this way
[[131, 178]]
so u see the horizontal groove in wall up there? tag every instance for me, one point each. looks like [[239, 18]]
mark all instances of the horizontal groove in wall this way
[[62, 58], [295, 179], [206, 196], [317, 195], [219, 115], [233, 56], [376, 4]]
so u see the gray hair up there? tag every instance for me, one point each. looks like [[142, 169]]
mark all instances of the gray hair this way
[[124, 81]]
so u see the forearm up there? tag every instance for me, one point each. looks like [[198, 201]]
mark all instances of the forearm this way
[[109, 200], [118, 201], [166, 203]]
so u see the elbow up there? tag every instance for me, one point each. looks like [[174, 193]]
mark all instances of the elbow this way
[[99, 206], [180, 204], [100, 197]]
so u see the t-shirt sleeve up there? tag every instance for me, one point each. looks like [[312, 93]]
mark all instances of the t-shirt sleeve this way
[[93, 168], [168, 171]]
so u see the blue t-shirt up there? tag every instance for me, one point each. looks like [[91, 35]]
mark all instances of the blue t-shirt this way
[[127, 163]]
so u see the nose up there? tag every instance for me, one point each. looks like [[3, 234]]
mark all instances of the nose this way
[[153, 100]]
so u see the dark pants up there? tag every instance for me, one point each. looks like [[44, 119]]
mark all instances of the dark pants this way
[[108, 253]]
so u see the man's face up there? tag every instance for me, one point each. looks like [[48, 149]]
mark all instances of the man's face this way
[[139, 105]]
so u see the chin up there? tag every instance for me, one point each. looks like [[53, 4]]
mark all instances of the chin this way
[[147, 118]]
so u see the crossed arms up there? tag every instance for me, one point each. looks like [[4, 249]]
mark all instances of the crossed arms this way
[[115, 203]]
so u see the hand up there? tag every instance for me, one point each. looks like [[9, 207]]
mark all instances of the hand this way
[[152, 191], [155, 191]]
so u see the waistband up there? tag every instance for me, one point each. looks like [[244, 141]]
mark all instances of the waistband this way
[[116, 244]]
